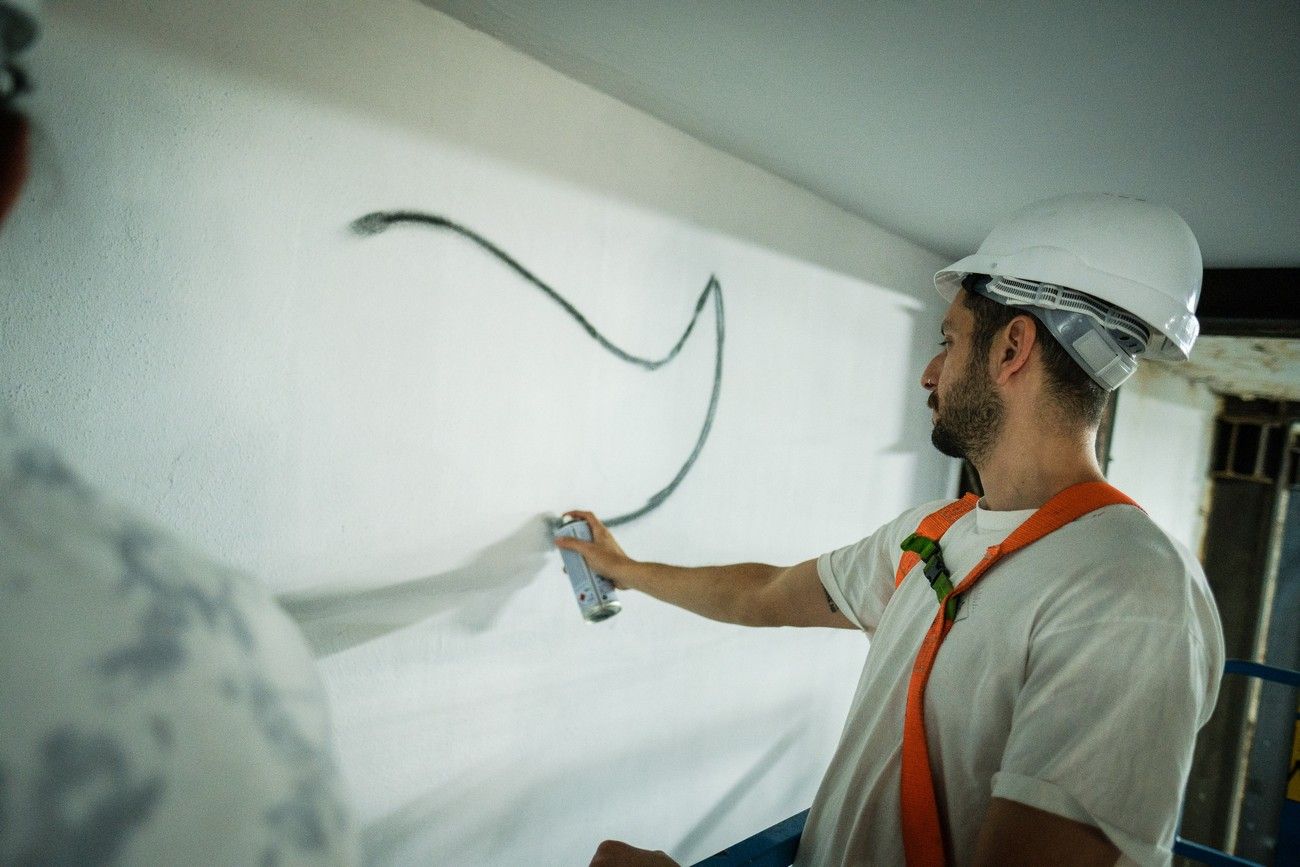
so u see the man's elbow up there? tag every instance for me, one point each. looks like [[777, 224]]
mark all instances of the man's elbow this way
[[764, 605], [1016, 834]]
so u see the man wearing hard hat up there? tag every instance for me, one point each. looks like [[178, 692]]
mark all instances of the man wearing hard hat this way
[[1041, 657]]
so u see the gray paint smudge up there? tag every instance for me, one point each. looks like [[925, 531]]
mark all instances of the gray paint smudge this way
[[299, 818], [86, 802], [162, 731], [159, 649]]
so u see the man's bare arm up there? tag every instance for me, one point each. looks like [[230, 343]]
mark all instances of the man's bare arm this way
[[1016, 834], [752, 594]]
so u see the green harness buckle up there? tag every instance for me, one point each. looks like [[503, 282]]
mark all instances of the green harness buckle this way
[[935, 571]]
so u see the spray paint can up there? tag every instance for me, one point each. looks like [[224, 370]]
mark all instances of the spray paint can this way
[[596, 597]]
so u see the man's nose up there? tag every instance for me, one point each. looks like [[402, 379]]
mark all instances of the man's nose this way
[[930, 376]]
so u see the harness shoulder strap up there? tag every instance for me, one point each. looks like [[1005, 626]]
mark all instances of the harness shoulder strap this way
[[1069, 505], [933, 526]]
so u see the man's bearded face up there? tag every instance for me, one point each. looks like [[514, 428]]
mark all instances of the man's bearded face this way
[[969, 414]]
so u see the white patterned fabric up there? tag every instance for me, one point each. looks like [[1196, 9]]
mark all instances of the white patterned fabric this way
[[155, 707]]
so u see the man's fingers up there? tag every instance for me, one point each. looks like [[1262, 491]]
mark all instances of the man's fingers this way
[[590, 518], [601, 553], [588, 551], [615, 853], [573, 544], [609, 853]]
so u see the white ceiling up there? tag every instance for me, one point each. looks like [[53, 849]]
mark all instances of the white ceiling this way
[[935, 118]]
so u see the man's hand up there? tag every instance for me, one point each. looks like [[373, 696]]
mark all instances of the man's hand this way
[[613, 853], [602, 553]]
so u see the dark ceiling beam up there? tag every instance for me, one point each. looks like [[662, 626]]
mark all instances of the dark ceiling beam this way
[[1250, 302]]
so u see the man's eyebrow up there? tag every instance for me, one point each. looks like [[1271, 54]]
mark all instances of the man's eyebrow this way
[[945, 327]]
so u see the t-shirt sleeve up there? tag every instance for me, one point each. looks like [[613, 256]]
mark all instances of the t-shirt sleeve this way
[[859, 578], [1103, 730]]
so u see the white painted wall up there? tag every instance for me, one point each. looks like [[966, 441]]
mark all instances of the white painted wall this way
[[186, 315], [1160, 449]]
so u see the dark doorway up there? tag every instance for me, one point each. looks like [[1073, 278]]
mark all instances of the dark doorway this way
[[1250, 556]]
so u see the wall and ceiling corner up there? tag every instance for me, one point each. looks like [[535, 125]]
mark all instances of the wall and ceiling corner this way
[[189, 319]]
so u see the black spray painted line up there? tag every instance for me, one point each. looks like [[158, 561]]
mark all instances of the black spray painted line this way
[[374, 223]]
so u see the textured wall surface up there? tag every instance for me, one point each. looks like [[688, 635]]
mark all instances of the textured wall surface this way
[[1160, 451], [184, 313]]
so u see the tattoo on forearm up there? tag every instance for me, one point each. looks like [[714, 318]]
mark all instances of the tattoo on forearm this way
[[835, 609]]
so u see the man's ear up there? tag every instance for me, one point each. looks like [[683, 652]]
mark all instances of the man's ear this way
[[1014, 347]]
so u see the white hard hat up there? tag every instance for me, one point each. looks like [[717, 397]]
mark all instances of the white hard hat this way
[[1124, 252]]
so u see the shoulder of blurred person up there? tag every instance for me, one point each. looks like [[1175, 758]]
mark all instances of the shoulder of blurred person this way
[[157, 707]]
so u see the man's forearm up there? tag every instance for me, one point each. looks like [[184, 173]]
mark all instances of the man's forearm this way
[[732, 594]]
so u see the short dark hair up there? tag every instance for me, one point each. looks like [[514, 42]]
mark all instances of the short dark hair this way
[[1078, 396]]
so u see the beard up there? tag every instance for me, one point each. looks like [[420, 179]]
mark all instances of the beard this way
[[968, 423]]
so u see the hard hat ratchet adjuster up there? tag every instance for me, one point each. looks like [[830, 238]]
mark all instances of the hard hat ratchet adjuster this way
[[1104, 340]]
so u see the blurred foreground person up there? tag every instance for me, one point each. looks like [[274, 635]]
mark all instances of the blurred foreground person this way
[[155, 707]]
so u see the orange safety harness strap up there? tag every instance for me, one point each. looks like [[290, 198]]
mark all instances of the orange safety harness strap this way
[[933, 526], [922, 836]]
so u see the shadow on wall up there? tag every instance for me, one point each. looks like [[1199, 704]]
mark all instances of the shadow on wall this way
[[335, 619], [728, 801], [384, 60], [426, 827]]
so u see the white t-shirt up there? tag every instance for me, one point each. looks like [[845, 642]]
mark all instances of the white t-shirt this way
[[1074, 680], [155, 707]]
